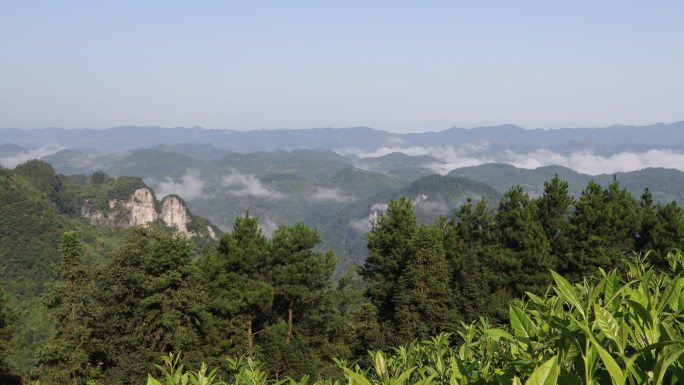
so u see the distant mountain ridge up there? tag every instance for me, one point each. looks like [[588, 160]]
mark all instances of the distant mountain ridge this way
[[355, 138]]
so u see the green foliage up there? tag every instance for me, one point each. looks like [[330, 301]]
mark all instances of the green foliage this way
[[236, 279], [553, 210], [614, 330], [299, 274], [56, 187], [7, 332], [275, 300], [30, 230], [471, 238], [152, 301], [523, 263], [390, 243], [174, 374], [424, 300], [65, 356], [102, 189], [662, 229], [605, 223]]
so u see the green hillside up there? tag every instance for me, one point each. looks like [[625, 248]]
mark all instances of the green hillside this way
[[36, 207], [665, 184]]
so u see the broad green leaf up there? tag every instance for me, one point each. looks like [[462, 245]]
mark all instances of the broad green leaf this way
[[641, 311], [611, 290], [671, 359], [596, 291], [498, 333], [380, 365], [152, 381], [669, 291], [545, 374], [607, 323], [617, 377], [567, 292], [521, 323], [356, 378], [404, 376], [535, 298]]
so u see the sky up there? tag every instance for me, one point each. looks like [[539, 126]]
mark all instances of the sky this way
[[393, 65]]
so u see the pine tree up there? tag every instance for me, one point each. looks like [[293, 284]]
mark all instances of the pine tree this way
[[238, 286], [301, 279], [648, 217], [364, 331], [589, 227], [470, 242], [65, 357], [525, 259], [667, 234], [622, 217], [299, 274], [153, 303], [604, 225], [552, 212], [424, 300], [473, 288], [389, 246]]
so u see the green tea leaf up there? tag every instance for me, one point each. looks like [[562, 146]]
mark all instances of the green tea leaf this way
[[567, 292], [521, 323], [607, 323], [545, 374]]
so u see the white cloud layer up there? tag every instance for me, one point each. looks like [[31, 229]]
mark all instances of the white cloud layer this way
[[189, 187], [362, 225], [332, 195], [581, 161], [268, 226], [381, 207], [242, 185], [18, 158]]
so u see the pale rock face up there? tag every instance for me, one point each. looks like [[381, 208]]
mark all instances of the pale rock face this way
[[139, 210], [211, 232], [419, 198], [141, 206], [175, 214]]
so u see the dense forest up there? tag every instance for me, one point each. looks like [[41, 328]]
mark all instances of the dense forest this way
[[117, 301]]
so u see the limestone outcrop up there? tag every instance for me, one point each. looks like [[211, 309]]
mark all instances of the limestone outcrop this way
[[140, 209]]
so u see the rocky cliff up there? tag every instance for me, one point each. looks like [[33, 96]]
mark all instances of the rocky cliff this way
[[141, 209]]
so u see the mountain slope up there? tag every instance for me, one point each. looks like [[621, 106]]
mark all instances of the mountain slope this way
[[665, 184]]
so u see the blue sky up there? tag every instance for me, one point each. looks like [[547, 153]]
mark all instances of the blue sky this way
[[403, 66]]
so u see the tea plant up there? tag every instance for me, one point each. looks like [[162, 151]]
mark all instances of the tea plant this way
[[624, 328]]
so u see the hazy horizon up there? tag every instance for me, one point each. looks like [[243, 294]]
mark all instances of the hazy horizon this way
[[388, 129]]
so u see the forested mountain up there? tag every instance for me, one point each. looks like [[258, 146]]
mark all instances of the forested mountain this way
[[318, 187], [335, 194], [104, 303], [38, 205], [325, 254]]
